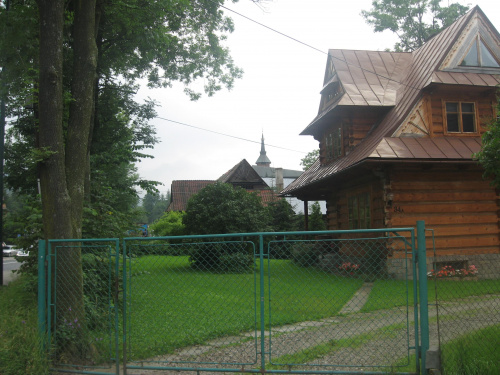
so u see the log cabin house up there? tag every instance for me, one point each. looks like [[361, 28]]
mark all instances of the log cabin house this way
[[397, 132]]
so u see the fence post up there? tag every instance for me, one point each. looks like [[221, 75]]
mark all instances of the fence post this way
[[262, 307], [423, 295], [42, 300]]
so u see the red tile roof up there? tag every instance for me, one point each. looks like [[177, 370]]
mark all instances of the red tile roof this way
[[182, 190]]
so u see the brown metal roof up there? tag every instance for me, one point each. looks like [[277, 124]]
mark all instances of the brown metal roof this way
[[369, 78], [427, 148], [420, 72], [398, 149], [470, 79]]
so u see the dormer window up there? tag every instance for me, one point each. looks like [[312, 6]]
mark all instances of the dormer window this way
[[460, 117], [479, 56], [330, 93]]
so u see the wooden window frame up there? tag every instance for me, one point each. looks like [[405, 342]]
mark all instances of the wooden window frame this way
[[460, 114], [359, 217], [333, 144]]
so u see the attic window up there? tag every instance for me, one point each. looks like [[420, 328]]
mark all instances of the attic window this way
[[460, 117], [480, 56], [330, 92]]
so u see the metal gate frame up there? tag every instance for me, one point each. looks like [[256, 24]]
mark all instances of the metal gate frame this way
[[47, 300], [421, 319]]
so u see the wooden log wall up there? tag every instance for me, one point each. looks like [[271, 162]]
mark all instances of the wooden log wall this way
[[337, 203], [484, 103], [355, 127], [461, 207]]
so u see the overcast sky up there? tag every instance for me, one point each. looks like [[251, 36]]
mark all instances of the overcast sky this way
[[278, 94]]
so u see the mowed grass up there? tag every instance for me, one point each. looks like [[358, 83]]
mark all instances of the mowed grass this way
[[386, 294], [473, 354], [173, 306]]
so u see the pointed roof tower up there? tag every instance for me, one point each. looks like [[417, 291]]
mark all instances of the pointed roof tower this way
[[263, 160]]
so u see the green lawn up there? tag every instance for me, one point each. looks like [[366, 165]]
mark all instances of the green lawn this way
[[172, 305], [391, 293]]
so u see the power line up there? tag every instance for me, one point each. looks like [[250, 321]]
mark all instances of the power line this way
[[315, 48], [226, 135]]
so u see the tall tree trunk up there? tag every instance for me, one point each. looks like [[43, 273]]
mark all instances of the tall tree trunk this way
[[63, 171], [55, 196], [81, 108]]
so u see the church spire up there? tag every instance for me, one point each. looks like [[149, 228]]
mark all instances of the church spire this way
[[263, 160]]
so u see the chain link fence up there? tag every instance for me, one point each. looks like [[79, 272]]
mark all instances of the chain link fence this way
[[294, 302], [304, 301], [467, 289], [83, 307]]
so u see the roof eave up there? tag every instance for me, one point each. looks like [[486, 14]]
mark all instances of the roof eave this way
[[367, 161]]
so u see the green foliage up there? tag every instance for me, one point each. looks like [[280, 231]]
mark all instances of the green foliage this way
[[316, 221], [23, 228], [489, 156], [308, 160], [282, 216], [183, 42], [407, 19], [98, 276], [170, 224], [305, 254], [20, 344], [232, 257], [155, 205], [221, 208]]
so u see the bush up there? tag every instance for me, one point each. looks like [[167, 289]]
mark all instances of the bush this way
[[305, 254], [98, 273], [222, 257], [236, 263]]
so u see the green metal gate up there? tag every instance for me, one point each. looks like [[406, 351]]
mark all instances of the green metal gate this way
[[82, 336], [297, 302]]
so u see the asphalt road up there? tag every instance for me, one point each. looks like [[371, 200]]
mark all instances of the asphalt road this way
[[9, 264]]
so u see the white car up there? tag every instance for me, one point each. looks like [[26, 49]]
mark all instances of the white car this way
[[9, 250], [23, 253]]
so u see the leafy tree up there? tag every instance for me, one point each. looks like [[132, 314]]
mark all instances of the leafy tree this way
[[316, 221], [222, 208], [407, 19], [170, 224], [75, 58], [489, 156], [308, 160], [155, 205], [282, 216]]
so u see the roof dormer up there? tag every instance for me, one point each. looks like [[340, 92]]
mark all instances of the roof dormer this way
[[476, 50]]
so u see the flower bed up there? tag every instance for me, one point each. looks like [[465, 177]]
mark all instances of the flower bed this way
[[447, 272]]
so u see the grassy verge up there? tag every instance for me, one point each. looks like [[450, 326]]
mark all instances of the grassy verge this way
[[392, 293], [173, 305], [473, 354], [20, 349]]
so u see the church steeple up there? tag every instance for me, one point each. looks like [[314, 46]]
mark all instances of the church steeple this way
[[263, 160]]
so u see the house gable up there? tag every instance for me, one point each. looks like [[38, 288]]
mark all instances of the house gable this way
[[476, 50], [419, 104], [243, 175]]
